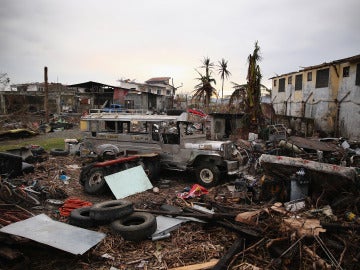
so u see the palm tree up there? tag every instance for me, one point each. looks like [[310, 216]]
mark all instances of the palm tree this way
[[247, 96], [238, 99], [254, 85], [224, 73], [204, 90]]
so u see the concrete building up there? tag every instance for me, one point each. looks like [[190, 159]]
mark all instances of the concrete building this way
[[29, 97], [328, 93], [155, 94]]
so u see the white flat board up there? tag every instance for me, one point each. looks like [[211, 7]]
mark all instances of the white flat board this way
[[128, 182], [43, 229], [166, 225]]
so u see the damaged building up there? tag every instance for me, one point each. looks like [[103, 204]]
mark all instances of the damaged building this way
[[328, 94], [155, 94]]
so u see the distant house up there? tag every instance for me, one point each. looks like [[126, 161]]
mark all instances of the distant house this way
[[95, 95], [155, 94], [329, 93]]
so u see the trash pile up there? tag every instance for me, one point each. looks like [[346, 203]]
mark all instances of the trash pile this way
[[25, 126], [296, 206]]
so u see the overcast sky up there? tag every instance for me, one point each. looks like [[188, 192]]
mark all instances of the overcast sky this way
[[104, 41]]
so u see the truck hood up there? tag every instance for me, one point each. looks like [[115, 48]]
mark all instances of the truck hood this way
[[205, 145]]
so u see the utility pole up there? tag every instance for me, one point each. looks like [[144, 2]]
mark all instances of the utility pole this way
[[46, 100]]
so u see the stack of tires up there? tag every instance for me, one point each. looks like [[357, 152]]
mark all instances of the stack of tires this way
[[120, 214]]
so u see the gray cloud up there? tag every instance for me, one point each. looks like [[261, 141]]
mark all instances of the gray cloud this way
[[105, 40]]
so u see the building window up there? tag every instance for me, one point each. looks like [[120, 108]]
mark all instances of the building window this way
[[346, 71], [282, 85], [168, 92], [357, 80], [290, 80], [298, 82], [158, 92], [274, 83], [322, 78], [309, 76]]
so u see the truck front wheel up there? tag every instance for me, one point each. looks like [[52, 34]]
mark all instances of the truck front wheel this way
[[208, 175], [95, 182]]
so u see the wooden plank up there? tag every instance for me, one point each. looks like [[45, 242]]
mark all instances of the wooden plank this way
[[198, 266], [227, 257]]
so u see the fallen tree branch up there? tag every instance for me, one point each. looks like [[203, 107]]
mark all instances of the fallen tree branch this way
[[317, 259], [225, 260], [198, 266]]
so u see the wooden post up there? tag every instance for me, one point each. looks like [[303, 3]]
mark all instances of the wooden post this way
[[46, 100]]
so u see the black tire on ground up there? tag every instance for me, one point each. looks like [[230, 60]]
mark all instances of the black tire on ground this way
[[37, 150], [58, 152], [80, 217], [136, 227], [95, 182], [208, 175], [111, 210]]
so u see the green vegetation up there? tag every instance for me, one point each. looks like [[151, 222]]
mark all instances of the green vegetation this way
[[204, 90], [46, 143]]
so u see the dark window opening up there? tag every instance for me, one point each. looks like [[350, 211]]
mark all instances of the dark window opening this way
[[274, 82], [346, 71], [322, 78], [282, 85], [290, 80], [357, 80], [298, 82], [309, 76]]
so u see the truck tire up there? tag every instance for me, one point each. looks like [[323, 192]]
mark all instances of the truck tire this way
[[58, 152], [208, 175], [152, 168], [111, 210], [95, 182], [80, 217], [136, 227]]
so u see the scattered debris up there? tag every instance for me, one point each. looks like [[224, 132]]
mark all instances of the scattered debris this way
[[281, 212]]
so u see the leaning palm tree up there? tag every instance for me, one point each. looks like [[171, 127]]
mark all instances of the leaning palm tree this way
[[224, 74], [204, 90]]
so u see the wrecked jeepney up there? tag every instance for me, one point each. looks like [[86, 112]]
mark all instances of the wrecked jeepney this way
[[178, 144]]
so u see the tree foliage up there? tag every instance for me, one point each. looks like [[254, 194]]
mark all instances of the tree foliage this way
[[205, 90], [224, 74], [248, 95]]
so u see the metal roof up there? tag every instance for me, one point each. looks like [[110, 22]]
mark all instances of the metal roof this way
[[133, 117], [352, 59]]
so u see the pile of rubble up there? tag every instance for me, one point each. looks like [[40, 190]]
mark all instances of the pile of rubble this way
[[298, 209]]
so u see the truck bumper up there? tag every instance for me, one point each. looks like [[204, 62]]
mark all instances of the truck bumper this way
[[232, 167]]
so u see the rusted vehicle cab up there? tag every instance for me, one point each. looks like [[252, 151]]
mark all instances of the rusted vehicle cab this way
[[178, 143]]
